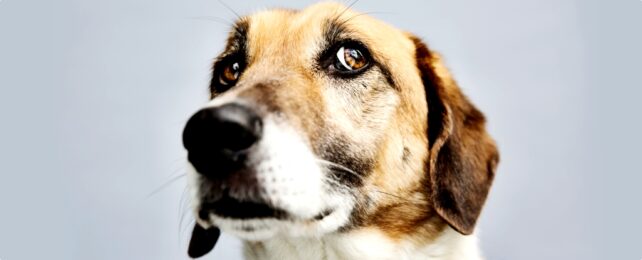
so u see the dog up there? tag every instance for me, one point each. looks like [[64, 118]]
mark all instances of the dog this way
[[332, 135]]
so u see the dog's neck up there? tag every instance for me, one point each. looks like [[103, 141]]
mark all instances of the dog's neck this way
[[364, 244]]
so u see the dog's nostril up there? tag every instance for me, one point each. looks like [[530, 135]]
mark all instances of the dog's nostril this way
[[215, 136]]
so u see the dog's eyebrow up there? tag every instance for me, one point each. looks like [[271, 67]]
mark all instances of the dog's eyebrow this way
[[333, 29], [237, 41], [236, 47]]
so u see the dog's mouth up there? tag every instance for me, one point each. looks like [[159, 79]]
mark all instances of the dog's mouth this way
[[205, 238], [231, 208], [228, 207]]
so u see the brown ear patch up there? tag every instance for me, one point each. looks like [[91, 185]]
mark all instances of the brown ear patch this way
[[462, 156]]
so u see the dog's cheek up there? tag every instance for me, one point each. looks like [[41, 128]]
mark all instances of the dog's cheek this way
[[356, 142], [339, 149]]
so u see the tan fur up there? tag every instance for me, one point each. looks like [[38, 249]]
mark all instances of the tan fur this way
[[387, 125]]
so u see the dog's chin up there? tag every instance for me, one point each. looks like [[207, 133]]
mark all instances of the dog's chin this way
[[267, 222]]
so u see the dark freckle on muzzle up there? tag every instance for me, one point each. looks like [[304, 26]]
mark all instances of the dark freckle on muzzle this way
[[218, 139]]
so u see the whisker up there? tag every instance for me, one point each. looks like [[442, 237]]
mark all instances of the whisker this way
[[165, 185], [404, 199], [347, 8], [183, 228], [183, 211], [338, 184], [348, 170], [179, 159], [229, 8], [359, 14], [222, 21], [213, 19], [340, 167]]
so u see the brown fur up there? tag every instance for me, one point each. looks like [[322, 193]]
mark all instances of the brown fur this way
[[420, 146]]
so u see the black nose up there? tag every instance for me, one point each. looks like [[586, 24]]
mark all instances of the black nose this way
[[217, 138]]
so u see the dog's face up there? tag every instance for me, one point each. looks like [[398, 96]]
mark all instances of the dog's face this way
[[325, 120]]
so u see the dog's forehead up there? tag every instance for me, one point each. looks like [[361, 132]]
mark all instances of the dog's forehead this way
[[279, 32]]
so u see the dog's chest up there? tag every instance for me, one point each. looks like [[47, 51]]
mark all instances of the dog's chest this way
[[327, 248], [363, 245]]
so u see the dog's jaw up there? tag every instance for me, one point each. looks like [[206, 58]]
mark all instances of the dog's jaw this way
[[289, 178]]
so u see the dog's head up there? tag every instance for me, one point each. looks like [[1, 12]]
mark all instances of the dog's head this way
[[325, 120]]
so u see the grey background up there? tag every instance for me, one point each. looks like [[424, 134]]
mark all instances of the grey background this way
[[94, 95]]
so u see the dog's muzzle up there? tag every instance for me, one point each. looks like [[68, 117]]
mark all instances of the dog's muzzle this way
[[219, 141]]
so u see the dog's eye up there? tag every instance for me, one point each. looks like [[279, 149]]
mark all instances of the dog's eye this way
[[350, 60], [230, 74]]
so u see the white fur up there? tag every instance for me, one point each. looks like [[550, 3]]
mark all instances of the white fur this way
[[292, 179], [289, 178], [364, 244]]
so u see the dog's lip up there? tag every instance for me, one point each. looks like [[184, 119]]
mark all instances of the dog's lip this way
[[228, 207]]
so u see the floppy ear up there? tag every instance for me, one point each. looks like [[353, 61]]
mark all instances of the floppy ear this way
[[462, 156]]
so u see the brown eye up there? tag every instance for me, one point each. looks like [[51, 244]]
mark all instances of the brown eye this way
[[230, 74], [350, 59]]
